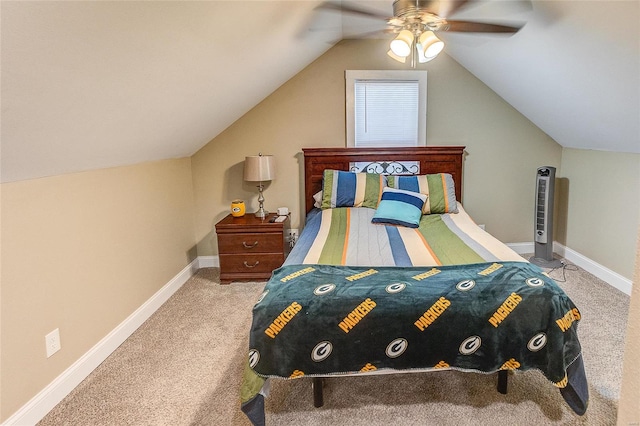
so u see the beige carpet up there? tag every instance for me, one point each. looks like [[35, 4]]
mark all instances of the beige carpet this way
[[183, 367]]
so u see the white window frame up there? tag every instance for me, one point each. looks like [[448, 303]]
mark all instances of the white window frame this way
[[409, 75]]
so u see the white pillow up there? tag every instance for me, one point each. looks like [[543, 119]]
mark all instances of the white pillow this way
[[317, 199]]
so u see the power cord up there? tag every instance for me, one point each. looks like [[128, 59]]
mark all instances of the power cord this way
[[564, 268]]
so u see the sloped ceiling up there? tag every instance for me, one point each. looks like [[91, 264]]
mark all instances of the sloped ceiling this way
[[87, 85], [573, 69]]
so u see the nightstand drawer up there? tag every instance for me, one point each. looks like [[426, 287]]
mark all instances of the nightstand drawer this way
[[250, 248], [250, 263], [250, 243]]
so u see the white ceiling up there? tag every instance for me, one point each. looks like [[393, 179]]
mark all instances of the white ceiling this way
[[87, 85]]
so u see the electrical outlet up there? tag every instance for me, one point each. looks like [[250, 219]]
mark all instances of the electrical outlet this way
[[52, 342], [292, 237]]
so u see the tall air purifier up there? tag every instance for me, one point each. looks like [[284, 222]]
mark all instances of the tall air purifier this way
[[543, 229]]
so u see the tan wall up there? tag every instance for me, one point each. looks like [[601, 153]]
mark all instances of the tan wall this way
[[504, 148], [629, 409], [1, 333], [81, 252], [599, 206]]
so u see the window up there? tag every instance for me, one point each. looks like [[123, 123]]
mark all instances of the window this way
[[386, 108]]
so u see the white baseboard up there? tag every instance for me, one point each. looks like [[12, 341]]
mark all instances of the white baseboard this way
[[208, 262], [605, 274], [34, 410], [522, 248]]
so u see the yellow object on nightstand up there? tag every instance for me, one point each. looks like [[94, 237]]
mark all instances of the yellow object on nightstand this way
[[237, 208]]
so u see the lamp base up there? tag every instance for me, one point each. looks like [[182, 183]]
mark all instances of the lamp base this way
[[262, 213]]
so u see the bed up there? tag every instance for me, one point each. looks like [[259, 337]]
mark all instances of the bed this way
[[391, 275]]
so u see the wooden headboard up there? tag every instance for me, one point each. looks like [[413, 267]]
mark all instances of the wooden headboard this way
[[432, 159]]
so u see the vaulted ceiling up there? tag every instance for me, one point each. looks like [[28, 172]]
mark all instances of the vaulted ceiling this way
[[573, 69], [88, 85]]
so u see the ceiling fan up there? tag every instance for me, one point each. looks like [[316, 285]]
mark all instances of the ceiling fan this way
[[416, 21]]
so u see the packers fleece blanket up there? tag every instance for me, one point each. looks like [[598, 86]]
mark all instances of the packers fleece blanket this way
[[319, 320]]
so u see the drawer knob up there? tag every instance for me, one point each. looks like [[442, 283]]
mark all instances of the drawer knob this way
[[249, 245], [251, 266]]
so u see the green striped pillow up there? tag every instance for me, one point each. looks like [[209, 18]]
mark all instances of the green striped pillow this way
[[346, 189], [439, 188]]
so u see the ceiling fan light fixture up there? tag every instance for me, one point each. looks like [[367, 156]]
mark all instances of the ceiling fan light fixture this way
[[421, 58], [415, 21], [430, 45], [396, 57], [401, 45]]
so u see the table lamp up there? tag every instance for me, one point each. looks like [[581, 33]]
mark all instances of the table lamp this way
[[259, 168]]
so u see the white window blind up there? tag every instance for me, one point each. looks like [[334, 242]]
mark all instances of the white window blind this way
[[386, 108], [386, 113]]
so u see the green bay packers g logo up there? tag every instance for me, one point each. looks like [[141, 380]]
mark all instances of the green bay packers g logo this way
[[396, 348], [465, 285], [534, 282], [470, 345], [324, 289], [537, 342], [395, 288], [321, 351], [254, 357]]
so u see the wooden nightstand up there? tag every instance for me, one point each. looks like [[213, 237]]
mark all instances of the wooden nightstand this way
[[250, 248]]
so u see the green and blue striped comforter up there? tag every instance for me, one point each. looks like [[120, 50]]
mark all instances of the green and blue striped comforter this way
[[345, 236]]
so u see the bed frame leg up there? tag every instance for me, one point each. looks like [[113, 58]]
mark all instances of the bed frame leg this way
[[318, 400], [503, 376]]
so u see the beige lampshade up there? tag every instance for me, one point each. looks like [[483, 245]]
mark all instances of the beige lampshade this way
[[259, 168], [401, 45], [431, 45], [396, 57]]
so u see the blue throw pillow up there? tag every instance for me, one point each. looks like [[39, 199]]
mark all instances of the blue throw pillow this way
[[399, 207]]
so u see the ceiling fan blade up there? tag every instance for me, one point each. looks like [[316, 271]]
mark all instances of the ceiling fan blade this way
[[359, 35], [479, 27], [351, 9], [449, 7]]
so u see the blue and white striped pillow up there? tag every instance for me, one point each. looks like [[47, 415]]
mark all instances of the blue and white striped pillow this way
[[399, 207], [346, 189]]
